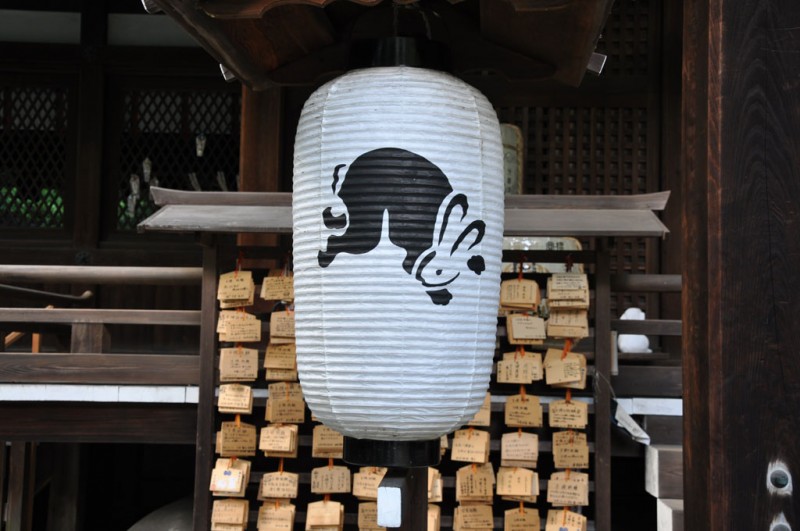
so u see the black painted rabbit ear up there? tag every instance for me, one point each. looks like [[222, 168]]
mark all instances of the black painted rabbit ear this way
[[476, 264], [333, 222]]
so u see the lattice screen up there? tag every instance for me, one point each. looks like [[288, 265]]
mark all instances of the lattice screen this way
[[590, 150], [626, 39], [33, 141], [166, 127]]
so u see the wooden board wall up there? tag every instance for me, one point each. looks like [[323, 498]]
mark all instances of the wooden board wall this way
[[741, 119]]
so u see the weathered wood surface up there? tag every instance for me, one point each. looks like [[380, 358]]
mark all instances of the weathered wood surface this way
[[65, 491], [138, 369], [663, 471], [204, 452], [260, 152], [656, 327], [93, 422], [552, 218], [257, 8], [167, 196], [602, 390], [664, 430], [99, 274], [89, 337], [741, 210], [299, 43], [15, 508], [71, 315], [654, 201], [646, 283], [634, 380], [669, 515]]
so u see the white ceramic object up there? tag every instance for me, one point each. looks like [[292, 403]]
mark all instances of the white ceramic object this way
[[633, 342], [398, 223]]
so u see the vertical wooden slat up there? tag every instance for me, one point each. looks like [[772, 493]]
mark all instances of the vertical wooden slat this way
[[205, 405], [3, 472], [16, 487], [30, 486], [602, 406], [64, 499], [89, 338]]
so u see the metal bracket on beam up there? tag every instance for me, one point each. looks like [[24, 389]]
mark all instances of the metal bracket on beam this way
[[151, 7], [227, 75], [596, 63]]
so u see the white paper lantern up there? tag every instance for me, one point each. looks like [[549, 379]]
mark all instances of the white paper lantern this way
[[398, 222]]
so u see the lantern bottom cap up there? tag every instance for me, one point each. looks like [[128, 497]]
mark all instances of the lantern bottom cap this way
[[392, 454]]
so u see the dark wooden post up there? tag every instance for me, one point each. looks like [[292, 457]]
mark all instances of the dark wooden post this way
[[260, 151], [602, 393], [741, 206], [204, 451]]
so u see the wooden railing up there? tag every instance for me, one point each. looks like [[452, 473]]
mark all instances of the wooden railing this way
[[87, 363]]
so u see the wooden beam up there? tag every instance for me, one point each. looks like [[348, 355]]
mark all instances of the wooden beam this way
[[646, 283], [257, 8], [132, 369], [654, 201], [655, 327], [741, 207], [634, 380], [96, 422], [70, 315], [105, 275]]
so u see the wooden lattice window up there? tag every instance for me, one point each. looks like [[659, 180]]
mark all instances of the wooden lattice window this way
[[627, 38], [165, 126], [33, 156], [591, 150]]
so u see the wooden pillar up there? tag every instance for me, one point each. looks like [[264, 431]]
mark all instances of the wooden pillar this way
[[63, 512], [602, 393], [15, 510], [89, 171], [204, 452], [260, 151], [741, 250]]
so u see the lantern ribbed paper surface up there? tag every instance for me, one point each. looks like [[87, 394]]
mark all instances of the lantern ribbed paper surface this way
[[398, 221]]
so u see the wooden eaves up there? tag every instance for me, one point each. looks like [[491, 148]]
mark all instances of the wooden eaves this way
[[525, 215], [267, 43]]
